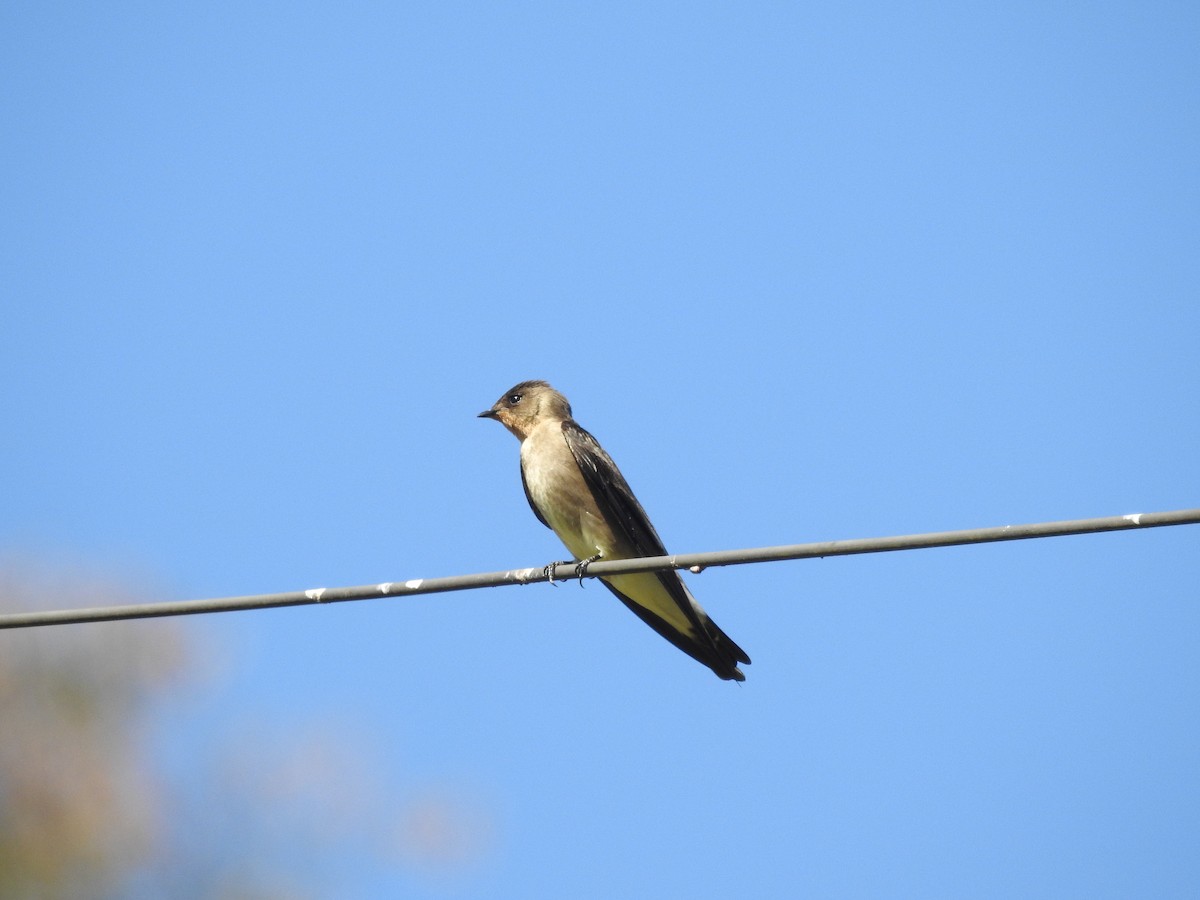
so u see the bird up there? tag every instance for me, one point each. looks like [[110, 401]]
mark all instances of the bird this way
[[577, 491]]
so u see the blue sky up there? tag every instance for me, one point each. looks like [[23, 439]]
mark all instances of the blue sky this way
[[807, 272]]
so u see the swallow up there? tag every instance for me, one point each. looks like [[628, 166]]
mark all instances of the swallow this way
[[577, 491]]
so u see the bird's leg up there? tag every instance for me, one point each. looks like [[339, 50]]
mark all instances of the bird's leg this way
[[581, 569], [548, 570]]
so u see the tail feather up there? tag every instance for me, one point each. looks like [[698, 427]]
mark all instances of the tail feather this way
[[725, 643], [714, 648]]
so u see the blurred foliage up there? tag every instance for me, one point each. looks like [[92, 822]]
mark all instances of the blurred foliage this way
[[257, 811], [78, 807]]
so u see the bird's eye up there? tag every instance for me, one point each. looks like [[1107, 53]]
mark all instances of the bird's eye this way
[[513, 399]]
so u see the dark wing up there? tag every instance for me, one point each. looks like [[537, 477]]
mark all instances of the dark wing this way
[[624, 513], [612, 492], [718, 652], [528, 496]]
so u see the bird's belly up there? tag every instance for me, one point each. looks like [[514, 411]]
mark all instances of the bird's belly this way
[[578, 524], [562, 497]]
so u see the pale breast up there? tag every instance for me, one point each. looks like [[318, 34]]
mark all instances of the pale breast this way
[[561, 495]]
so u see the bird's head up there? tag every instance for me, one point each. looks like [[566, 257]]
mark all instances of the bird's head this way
[[526, 405]]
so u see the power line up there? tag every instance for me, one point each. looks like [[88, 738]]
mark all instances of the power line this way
[[694, 561]]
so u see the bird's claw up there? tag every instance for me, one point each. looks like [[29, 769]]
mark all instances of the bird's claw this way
[[548, 570], [581, 568]]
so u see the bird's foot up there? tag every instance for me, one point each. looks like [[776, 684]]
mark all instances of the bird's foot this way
[[548, 570], [581, 569]]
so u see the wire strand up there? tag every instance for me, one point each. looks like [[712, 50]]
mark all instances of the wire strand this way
[[693, 561]]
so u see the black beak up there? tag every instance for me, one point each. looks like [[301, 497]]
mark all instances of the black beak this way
[[487, 414]]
